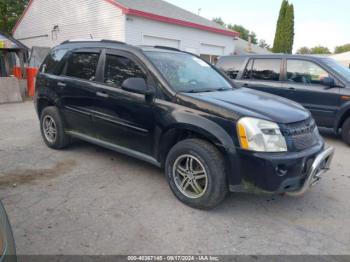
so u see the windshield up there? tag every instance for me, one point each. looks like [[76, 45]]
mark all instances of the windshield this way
[[187, 73], [339, 68]]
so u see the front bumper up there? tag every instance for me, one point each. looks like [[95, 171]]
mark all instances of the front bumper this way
[[289, 172], [320, 165]]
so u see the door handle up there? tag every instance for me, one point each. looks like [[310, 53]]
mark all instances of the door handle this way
[[246, 85], [291, 88], [102, 94], [61, 84]]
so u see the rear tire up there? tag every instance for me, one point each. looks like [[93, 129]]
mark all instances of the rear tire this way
[[195, 171], [52, 128], [345, 133]]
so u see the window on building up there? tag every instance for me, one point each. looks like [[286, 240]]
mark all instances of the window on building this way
[[305, 72], [266, 69], [119, 68], [82, 65]]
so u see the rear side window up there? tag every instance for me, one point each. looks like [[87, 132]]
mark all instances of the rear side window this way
[[52, 61], [82, 65], [266, 69], [231, 65], [119, 68]]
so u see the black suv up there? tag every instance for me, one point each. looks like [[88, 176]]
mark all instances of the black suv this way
[[176, 111], [320, 84]]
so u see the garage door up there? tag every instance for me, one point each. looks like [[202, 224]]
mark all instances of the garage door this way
[[160, 41], [209, 49]]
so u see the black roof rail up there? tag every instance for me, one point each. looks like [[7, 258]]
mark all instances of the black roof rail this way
[[112, 41], [93, 40], [167, 48]]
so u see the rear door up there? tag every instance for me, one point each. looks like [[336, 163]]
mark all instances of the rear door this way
[[78, 89], [303, 79], [264, 75]]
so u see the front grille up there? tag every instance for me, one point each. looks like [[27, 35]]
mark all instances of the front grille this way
[[301, 135]]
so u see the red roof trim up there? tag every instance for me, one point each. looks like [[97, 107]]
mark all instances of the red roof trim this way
[[22, 16], [169, 20], [150, 16]]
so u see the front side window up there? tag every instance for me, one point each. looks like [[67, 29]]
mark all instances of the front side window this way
[[187, 73], [50, 65], [305, 72], [266, 69], [82, 65], [119, 68]]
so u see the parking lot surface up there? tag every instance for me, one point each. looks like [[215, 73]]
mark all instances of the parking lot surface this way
[[89, 200]]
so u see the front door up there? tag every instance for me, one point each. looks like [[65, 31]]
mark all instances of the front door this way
[[123, 118], [303, 79]]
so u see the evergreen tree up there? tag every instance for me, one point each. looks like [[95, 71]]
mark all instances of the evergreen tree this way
[[284, 37]]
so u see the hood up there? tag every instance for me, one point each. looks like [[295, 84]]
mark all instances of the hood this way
[[241, 102]]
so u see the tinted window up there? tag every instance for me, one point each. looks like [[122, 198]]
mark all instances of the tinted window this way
[[305, 72], [82, 65], [50, 65], [231, 65], [266, 69], [120, 68]]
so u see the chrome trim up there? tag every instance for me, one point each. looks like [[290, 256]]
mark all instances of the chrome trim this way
[[116, 148], [320, 166]]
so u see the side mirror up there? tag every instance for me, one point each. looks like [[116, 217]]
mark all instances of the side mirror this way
[[328, 82], [135, 85]]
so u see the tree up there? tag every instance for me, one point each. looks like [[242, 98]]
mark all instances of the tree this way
[[219, 21], [243, 32], [304, 50], [342, 49], [263, 44], [10, 11], [284, 36], [320, 50]]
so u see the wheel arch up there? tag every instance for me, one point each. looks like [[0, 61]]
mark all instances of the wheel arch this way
[[43, 102], [194, 126], [343, 114]]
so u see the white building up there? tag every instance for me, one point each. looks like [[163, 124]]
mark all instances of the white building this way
[[47, 23]]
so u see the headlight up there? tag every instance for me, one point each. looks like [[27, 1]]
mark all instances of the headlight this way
[[260, 135]]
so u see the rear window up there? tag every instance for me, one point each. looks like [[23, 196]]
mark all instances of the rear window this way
[[82, 65], [52, 62], [264, 69], [231, 65]]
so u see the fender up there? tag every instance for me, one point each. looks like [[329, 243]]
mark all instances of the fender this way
[[344, 109], [200, 124], [187, 120]]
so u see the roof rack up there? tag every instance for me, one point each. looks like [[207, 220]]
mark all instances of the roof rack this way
[[167, 48], [92, 40]]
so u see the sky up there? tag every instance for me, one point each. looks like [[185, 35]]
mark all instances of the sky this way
[[317, 22]]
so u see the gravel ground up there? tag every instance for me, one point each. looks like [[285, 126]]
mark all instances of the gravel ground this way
[[88, 200]]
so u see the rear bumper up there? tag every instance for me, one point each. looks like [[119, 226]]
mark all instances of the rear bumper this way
[[289, 172]]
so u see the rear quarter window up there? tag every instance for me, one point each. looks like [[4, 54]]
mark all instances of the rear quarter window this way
[[52, 62], [231, 65]]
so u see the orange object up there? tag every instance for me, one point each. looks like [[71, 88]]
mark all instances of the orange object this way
[[17, 72], [31, 75]]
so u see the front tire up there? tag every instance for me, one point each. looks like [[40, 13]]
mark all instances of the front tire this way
[[346, 131], [52, 128], [195, 171]]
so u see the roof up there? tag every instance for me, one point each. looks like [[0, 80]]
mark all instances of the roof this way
[[156, 9], [279, 56]]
